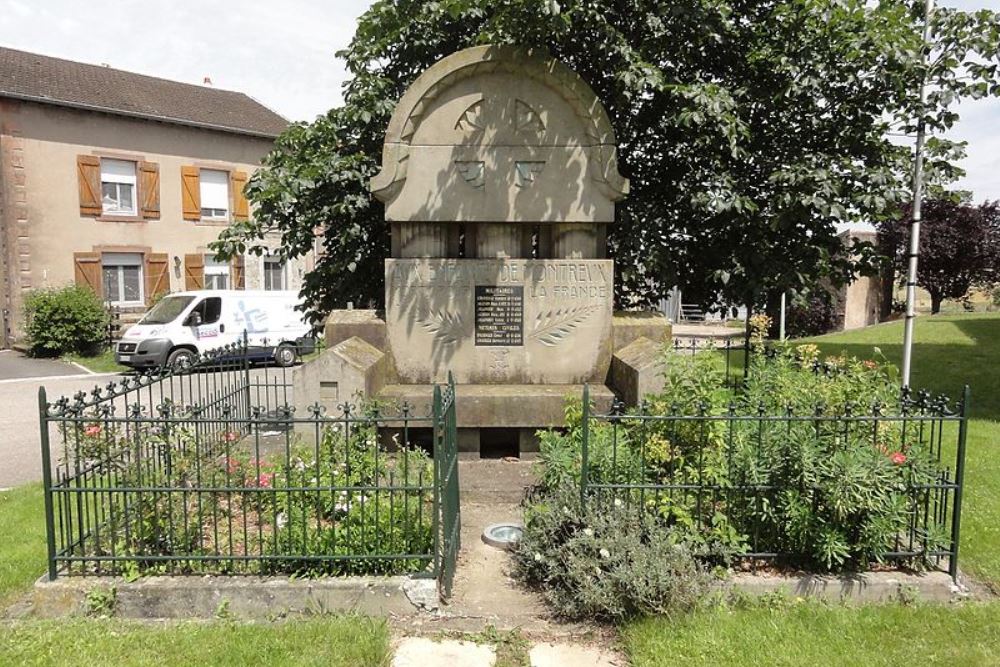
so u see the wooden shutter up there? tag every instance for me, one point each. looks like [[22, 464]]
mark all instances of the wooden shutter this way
[[241, 208], [194, 272], [149, 189], [191, 192], [237, 269], [87, 271], [157, 275], [88, 173]]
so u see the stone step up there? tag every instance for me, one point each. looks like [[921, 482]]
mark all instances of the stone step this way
[[502, 405]]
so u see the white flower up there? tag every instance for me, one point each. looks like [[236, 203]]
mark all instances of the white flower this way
[[597, 571], [538, 557], [281, 520], [618, 502], [588, 532], [605, 553]]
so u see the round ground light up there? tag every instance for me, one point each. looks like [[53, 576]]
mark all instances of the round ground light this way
[[503, 535]]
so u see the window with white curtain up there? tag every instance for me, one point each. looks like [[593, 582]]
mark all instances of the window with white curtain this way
[[214, 186], [216, 273], [121, 273], [118, 186]]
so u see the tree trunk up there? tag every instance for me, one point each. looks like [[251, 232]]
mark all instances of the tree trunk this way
[[936, 300]]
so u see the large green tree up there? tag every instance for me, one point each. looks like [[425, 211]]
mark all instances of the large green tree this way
[[749, 130]]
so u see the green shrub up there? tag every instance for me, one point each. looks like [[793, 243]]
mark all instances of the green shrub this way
[[613, 562], [66, 320], [831, 494]]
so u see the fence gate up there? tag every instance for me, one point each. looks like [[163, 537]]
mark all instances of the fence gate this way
[[447, 514]]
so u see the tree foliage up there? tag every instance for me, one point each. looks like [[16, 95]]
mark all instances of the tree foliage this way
[[959, 246], [749, 130]]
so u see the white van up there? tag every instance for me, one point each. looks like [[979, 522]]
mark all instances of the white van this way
[[185, 324]]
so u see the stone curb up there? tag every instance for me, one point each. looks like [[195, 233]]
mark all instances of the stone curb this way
[[261, 598], [257, 598]]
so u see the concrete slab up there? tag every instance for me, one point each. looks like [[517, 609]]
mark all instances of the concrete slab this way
[[573, 655], [423, 652], [257, 598], [891, 586]]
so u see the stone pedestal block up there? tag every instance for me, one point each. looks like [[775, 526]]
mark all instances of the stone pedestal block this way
[[365, 324], [637, 370], [347, 372], [629, 326]]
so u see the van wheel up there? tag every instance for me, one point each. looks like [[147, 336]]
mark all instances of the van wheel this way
[[181, 358], [285, 355]]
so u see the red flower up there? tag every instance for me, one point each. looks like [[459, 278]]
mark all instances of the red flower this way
[[265, 480], [899, 458], [92, 431]]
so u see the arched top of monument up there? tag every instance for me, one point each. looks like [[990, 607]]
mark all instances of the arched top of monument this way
[[499, 112]]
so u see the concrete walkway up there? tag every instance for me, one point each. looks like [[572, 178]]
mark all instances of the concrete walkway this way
[[423, 652]]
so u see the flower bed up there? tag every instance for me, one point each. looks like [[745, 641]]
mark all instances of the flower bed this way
[[816, 464]]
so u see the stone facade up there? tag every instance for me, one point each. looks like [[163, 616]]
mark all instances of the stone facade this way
[[41, 224]]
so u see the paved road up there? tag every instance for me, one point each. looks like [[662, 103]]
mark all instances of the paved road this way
[[14, 365], [20, 378]]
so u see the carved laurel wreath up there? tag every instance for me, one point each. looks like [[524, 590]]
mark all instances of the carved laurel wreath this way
[[554, 326], [446, 327]]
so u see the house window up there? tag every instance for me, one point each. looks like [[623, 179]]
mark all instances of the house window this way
[[118, 187], [274, 273], [216, 273], [121, 273], [214, 186]]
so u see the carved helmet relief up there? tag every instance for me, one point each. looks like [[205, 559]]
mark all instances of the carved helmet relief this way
[[494, 134]]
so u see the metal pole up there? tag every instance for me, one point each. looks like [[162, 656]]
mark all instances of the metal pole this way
[[781, 324], [918, 189]]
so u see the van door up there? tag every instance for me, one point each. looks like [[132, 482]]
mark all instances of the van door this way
[[204, 324]]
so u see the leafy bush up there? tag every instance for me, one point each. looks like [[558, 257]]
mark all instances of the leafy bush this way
[[811, 314], [613, 562], [66, 320], [726, 472]]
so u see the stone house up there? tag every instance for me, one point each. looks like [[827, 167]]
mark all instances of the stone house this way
[[119, 181]]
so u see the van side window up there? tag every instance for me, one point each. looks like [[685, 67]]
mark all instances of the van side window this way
[[210, 309]]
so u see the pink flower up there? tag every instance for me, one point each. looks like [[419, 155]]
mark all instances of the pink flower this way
[[92, 430], [265, 480], [231, 436], [232, 465], [899, 458]]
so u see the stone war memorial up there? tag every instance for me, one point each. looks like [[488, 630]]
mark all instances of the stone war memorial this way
[[499, 179]]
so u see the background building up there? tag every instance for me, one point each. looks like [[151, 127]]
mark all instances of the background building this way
[[119, 182]]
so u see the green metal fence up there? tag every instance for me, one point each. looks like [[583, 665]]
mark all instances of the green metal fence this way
[[209, 469], [737, 471]]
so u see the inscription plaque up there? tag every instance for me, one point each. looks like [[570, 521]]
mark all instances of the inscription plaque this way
[[499, 315]]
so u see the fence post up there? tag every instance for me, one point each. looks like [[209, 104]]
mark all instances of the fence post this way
[[439, 445], [956, 520], [585, 430], [246, 377], [50, 527]]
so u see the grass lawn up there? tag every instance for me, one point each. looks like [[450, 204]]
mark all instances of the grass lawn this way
[[100, 363], [815, 634], [329, 641], [22, 540]]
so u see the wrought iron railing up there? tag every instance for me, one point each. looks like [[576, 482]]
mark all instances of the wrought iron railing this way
[[210, 469], [734, 470]]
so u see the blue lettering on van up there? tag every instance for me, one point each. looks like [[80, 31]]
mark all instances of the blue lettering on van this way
[[254, 320]]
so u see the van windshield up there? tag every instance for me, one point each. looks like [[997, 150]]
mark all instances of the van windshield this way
[[167, 310]]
